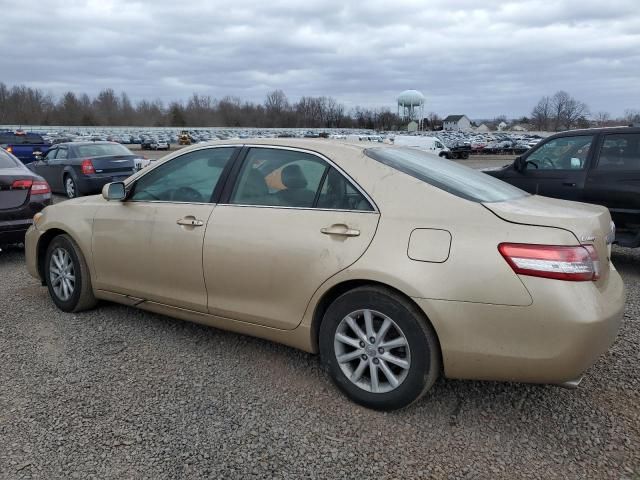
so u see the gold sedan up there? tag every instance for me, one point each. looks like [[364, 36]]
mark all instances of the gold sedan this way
[[395, 265]]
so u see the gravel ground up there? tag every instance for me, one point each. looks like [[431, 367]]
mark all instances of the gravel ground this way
[[121, 393]]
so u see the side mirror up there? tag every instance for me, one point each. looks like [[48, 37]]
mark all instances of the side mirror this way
[[39, 157], [114, 191], [519, 164]]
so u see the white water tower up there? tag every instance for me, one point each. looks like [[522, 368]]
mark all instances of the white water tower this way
[[411, 106]]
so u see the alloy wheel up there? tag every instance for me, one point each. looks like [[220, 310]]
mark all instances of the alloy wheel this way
[[62, 274], [372, 351], [70, 187]]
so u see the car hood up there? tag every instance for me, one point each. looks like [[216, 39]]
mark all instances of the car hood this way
[[590, 224]]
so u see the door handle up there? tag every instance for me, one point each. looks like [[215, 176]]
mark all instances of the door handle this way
[[341, 230], [190, 222], [568, 184]]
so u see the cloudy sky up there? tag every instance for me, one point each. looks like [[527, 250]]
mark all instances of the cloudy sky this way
[[480, 58]]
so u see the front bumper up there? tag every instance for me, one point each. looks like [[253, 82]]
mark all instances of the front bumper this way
[[554, 340]]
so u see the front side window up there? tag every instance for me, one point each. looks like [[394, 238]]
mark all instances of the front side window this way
[[279, 178], [566, 153], [620, 152], [446, 175], [51, 154], [190, 178]]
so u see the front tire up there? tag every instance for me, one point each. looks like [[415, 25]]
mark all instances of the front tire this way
[[67, 276], [379, 349]]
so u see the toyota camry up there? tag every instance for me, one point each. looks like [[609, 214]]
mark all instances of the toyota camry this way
[[396, 266]]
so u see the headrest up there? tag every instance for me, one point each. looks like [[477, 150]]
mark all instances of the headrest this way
[[292, 177]]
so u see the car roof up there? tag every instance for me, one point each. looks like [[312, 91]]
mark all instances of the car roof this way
[[328, 147], [584, 131], [100, 142]]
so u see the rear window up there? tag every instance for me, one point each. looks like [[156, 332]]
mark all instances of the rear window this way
[[7, 160], [13, 139], [99, 149], [446, 175]]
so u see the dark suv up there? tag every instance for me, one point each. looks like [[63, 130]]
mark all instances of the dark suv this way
[[598, 165]]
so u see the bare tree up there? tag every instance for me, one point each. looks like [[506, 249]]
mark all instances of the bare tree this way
[[602, 119]]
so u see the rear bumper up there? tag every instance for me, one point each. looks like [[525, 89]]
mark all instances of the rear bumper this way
[[93, 184], [554, 340], [13, 231]]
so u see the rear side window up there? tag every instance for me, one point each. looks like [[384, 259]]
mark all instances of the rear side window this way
[[620, 152], [279, 178], [7, 160], [338, 194], [446, 175]]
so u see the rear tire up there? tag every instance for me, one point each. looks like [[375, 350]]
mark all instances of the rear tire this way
[[388, 372], [67, 276], [70, 186]]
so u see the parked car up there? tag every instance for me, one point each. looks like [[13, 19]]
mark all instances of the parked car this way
[[599, 166], [160, 145], [23, 145], [22, 195], [82, 168], [395, 265]]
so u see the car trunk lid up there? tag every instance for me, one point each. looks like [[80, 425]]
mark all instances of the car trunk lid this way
[[10, 196], [590, 224], [114, 164]]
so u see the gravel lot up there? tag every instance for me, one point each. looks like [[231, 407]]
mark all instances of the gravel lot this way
[[120, 393]]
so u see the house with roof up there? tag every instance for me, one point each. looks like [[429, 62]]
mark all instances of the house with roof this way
[[457, 122]]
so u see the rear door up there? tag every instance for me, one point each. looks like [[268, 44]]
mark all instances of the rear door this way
[[614, 180], [558, 168], [289, 222]]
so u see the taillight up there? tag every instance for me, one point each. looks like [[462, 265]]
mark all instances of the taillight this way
[[9, 149], [40, 188], [21, 184], [87, 167], [576, 263]]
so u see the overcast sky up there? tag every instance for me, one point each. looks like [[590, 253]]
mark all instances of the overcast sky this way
[[480, 58]]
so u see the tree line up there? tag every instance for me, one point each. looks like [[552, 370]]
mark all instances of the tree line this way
[[23, 105], [563, 112]]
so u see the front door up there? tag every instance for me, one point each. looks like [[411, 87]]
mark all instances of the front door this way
[[150, 245], [291, 222], [558, 168], [43, 168]]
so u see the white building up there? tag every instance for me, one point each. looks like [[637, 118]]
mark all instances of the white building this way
[[457, 122]]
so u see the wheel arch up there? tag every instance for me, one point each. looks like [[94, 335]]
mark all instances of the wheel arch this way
[[338, 289], [43, 243]]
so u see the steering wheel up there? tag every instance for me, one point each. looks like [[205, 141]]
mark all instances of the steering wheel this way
[[186, 194], [547, 163]]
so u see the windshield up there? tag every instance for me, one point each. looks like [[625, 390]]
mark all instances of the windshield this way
[[100, 149], [456, 179]]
